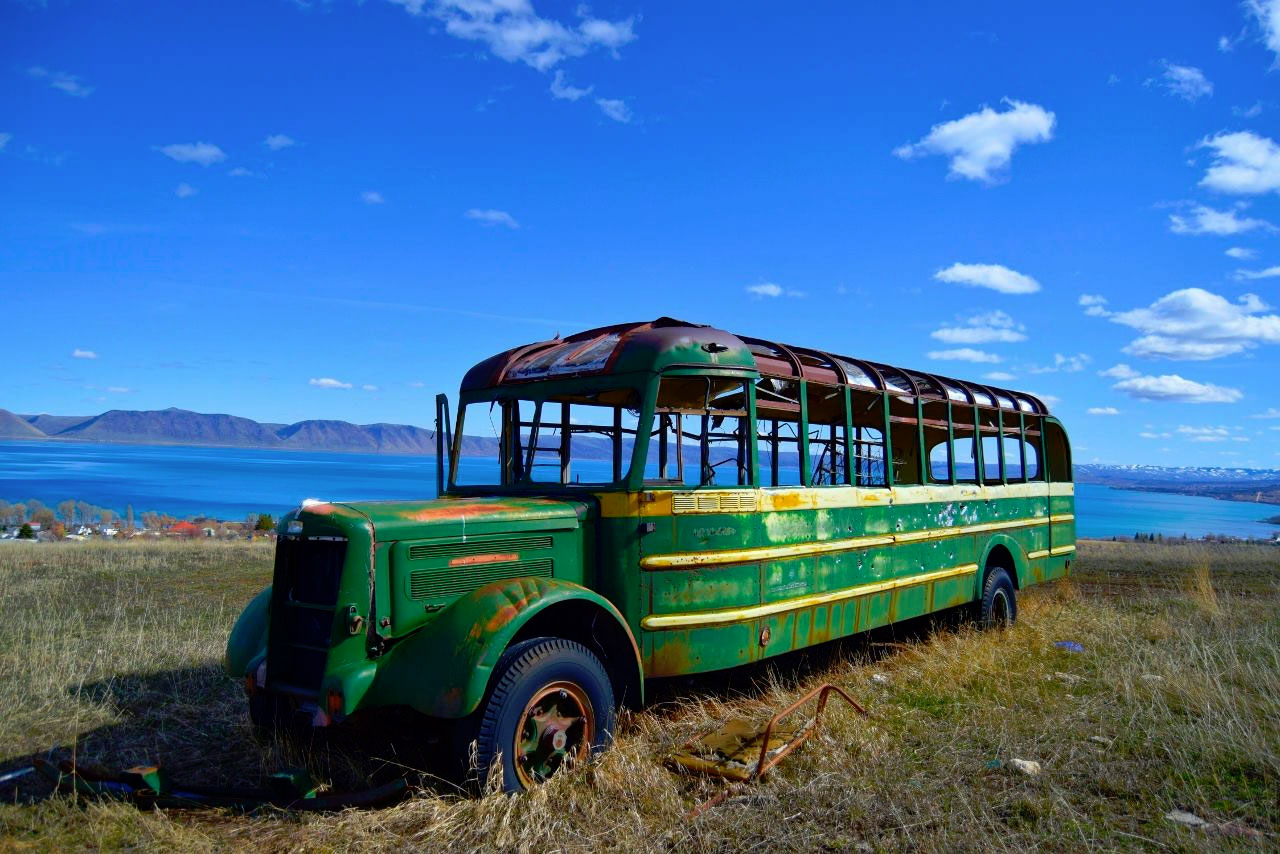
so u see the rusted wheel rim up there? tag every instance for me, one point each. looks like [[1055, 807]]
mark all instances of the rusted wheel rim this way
[[1000, 609], [556, 729]]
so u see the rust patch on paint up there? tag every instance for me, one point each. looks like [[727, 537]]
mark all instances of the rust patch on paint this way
[[789, 501], [471, 560]]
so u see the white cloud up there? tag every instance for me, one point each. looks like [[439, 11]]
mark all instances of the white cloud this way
[[1206, 220], [1251, 112], [1094, 305], [1149, 435], [277, 141], [1119, 372], [491, 217], [1271, 412], [1209, 434], [1103, 410], [1063, 364], [417, 384], [204, 153], [1194, 324], [368, 387], [4, 140], [185, 191], [1243, 163], [240, 172], [1241, 254], [513, 31], [327, 382], [62, 81], [964, 354], [1185, 81], [615, 108], [993, 276], [1269, 273], [772, 290], [1266, 13], [565, 92], [998, 376], [118, 389], [982, 329], [981, 144], [77, 353], [1048, 400], [372, 197], [1176, 389]]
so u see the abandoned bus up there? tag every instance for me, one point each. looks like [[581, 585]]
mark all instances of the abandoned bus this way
[[648, 500]]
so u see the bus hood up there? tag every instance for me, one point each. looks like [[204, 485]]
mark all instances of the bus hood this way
[[459, 517]]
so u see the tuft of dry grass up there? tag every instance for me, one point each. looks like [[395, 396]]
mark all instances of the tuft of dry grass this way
[[112, 651]]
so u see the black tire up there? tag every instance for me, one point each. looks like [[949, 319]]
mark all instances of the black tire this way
[[998, 606], [553, 694]]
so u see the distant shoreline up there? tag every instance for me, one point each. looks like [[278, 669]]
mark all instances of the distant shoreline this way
[[150, 442]]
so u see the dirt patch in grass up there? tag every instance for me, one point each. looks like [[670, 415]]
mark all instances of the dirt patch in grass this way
[[112, 651]]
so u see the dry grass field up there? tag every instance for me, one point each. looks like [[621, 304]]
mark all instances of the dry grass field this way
[[110, 652]]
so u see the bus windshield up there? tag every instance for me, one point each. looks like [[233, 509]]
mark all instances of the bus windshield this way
[[579, 439]]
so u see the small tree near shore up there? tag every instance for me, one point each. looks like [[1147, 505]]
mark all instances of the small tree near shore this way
[[26, 532], [264, 523]]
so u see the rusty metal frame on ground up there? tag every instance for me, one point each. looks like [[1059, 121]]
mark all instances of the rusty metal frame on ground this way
[[773, 749]]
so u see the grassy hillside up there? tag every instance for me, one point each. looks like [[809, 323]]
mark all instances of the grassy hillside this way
[[111, 651]]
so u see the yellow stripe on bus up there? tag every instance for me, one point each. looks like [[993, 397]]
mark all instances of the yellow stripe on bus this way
[[747, 555], [668, 502], [735, 615]]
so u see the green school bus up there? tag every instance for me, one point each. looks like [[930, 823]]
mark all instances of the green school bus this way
[[649, 500]]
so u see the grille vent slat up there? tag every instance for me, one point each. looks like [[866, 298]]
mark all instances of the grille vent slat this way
[[454, 581], [714, 502], [427, 551]]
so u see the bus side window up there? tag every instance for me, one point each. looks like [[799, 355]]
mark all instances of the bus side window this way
[[778, 431], [1013, 459], [866, 445], [966, 458], [779, 442], [700, 432], [964, 447], [828, 465], [1033, 461], [991, 459], [1058, 451]]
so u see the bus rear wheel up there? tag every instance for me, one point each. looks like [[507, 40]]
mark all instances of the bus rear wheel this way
[[999, 604], [551, 707]]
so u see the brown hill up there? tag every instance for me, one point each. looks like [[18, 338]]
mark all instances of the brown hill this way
[[16, 427]]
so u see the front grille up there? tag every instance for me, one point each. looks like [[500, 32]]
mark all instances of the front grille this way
[[454, 581], [308, 573], [311, 569], [426, 551]]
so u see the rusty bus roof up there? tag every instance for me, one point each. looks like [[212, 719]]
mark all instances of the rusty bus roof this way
[[665, 343]]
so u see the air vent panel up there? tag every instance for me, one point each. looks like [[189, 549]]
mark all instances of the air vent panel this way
[[457, 580], [743, 501], [430, 551]]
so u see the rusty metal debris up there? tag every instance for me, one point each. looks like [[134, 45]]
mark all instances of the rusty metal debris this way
[[742, 752]]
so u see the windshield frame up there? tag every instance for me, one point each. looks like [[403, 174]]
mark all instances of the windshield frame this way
[[545, 391]]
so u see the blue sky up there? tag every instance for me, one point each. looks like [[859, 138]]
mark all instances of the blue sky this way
[[293, 210]]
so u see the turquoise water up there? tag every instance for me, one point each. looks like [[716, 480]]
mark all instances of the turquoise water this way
[[229, 483]]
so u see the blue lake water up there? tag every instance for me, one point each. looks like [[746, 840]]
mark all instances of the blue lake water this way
[[229, 483]]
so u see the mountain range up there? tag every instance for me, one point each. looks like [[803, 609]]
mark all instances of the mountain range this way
[[182, 427]]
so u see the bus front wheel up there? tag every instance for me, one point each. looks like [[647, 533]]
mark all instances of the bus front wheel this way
[[551, 707], [999, 604]]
